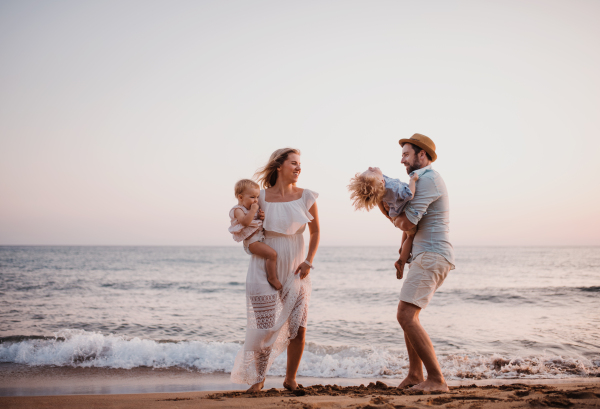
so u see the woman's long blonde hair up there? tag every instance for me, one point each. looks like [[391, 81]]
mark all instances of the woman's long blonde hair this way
[[267, 175]]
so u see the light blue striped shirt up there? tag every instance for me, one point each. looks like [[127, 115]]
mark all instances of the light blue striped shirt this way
[[430, 209]]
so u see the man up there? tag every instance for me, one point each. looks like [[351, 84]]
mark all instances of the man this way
[[432, 259]]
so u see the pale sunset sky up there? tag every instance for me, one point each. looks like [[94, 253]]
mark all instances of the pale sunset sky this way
[[128, 122]]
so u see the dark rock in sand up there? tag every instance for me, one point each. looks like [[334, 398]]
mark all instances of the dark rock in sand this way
[[551, 401], [520, 394], [581, 395]]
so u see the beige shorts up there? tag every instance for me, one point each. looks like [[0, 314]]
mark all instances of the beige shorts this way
[[426, 274]]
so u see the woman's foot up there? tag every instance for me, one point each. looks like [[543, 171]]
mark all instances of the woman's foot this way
[[256, 387], [409, 382], [290, 385]]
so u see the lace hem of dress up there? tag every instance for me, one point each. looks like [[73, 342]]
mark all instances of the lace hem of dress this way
[[279, 315]]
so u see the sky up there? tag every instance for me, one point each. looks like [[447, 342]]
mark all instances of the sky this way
[[129, 122]]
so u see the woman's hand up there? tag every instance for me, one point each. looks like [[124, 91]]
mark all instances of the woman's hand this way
[[261, 214], [303, 269]]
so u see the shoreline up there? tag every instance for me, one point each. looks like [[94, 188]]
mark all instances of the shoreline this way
[[27, 381], [374, 395]]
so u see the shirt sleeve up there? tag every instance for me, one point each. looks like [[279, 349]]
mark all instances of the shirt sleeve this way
[[426, 193], [404, 192]]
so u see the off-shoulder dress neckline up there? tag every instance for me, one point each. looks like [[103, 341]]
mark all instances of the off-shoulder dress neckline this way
[[289, 201]]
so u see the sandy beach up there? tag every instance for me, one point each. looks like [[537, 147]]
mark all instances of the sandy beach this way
[[582, 393]]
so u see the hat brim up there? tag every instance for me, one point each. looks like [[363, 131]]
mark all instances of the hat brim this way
[[420, 145]]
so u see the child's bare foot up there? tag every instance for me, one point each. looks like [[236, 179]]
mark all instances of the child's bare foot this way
[[256, 387], [276, 284], [399, 268]]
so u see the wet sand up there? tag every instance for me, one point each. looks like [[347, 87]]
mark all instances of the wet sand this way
[[582, 394]]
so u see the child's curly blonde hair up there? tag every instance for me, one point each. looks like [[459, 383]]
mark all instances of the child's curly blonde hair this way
[[365, 191]]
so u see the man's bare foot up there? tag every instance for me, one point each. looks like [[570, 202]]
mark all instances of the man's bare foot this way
[[410, 381], [256, 387], [431, 386], [290, 385]]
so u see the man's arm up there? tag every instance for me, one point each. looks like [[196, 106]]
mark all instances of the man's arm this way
[[426, 194]]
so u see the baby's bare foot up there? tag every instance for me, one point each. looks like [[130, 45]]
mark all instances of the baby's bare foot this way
[[276, 284], [399, 269]]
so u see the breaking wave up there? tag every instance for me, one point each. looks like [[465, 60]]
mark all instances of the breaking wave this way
[[79, 348]]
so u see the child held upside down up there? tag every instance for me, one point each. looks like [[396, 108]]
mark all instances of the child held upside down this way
[[372, 188]]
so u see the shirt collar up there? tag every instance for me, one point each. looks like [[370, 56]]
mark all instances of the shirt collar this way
[[420, 172]]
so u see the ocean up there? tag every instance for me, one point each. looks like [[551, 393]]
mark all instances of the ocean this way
[[503, 313]]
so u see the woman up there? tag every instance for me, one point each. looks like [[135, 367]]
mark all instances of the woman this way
[[277, 319]]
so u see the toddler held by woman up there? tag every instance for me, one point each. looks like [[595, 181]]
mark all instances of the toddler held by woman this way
[[247, 227], [372, 188]]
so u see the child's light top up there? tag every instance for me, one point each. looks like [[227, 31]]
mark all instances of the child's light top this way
[[397, 195], [240, 232]]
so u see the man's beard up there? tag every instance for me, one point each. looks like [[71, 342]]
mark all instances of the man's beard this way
[[416, 165]]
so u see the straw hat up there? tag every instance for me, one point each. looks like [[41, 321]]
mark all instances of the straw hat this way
[[422, 142]]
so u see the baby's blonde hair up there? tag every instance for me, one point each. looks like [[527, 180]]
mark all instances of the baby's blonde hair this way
[[365, 191], [243, 184]]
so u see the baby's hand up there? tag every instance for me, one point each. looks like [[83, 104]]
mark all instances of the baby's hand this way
[[254, 207], [414, 177]]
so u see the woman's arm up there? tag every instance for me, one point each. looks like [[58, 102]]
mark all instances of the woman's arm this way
[[313, 244]]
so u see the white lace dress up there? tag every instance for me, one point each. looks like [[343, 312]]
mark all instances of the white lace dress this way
[[273, 317]]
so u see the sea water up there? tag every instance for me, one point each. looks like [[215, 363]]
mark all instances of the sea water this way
[[504, 312]]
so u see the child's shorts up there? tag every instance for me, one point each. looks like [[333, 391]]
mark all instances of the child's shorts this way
[[258, 236]]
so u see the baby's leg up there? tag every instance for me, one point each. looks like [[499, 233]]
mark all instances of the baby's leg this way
[[262, 250], [405, 250]]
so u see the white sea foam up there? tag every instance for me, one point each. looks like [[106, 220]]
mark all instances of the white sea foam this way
[[80, 348]]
